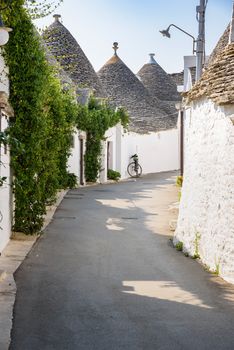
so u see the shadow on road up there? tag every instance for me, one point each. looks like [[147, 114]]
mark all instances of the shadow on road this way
[[103, 277]]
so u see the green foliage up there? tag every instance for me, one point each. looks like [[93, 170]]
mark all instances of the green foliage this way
[[179, 246], [2, 180], [96, 118], [179, 181], [113, 175], [44, 119], [38, 9], [196, 246], [6, 140], [217, 269], [71, 180], [3, 140], [3, 137]]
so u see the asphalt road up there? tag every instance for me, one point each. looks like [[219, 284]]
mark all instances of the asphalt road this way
[[104, 276]]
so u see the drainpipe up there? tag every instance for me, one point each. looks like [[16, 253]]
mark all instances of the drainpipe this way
[[180, 109], [181, 142]]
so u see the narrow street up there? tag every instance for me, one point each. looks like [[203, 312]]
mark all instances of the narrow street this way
[[104, 276]]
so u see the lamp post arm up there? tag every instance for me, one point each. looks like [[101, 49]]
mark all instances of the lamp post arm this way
[[191, 36], [173, 25]]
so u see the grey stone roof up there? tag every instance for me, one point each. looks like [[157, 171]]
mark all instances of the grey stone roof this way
[[178, 78], [62, 75], [158, 82], [217, 81], [223, 41], [147, 114], [72, 59]]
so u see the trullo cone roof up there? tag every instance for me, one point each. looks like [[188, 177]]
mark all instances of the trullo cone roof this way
[[71, 57], [157, 81], [147, 114], [223, 41]]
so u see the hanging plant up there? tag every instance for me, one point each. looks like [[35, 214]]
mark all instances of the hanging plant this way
[[96, 118]]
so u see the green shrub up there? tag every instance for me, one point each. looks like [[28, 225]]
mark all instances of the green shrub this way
[[113, 175], [44, 119], [179, 181], [96, 118], [179, 246], [71, 180], [196, 246]]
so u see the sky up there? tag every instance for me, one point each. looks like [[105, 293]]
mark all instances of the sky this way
[[135, 25]]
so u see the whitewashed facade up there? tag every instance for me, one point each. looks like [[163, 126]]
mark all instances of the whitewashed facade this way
[[76, 160], [206, 216], [5, 190], [157, 151]]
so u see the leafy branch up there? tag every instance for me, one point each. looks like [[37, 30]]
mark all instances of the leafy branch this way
[[43, 8], [96, 118]]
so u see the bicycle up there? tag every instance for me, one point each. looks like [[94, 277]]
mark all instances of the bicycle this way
[[134, 169]]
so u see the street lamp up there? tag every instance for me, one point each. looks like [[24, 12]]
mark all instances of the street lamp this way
[[4, 31], [166, 33], [200, 42]]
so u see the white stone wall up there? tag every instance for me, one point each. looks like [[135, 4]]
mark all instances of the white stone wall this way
[[4, 81], [206, 216], [110, 136], [5, 190], [73, 165], [157, 152]]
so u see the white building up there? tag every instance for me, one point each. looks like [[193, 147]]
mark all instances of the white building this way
[[6, 206], [152, 130], [206, 215], [153, 118]]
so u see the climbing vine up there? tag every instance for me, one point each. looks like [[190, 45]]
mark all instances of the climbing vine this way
[[96, 118], [45, 115], [42, 8], [4, 142]]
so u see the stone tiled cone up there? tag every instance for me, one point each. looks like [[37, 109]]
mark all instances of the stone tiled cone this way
[[158, 82], [147, 114], [217, 82], [178, 78], [222, 43], [72, 59]]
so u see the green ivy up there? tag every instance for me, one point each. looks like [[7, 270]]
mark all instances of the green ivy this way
[[44, 119], [96, 118], [38, 9]]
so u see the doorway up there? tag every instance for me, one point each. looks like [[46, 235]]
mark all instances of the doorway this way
[[81, 161]]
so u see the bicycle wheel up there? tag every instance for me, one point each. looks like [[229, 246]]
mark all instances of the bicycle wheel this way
[[134, 171]]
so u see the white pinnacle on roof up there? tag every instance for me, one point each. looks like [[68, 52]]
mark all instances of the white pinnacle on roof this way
[[152, 60]]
